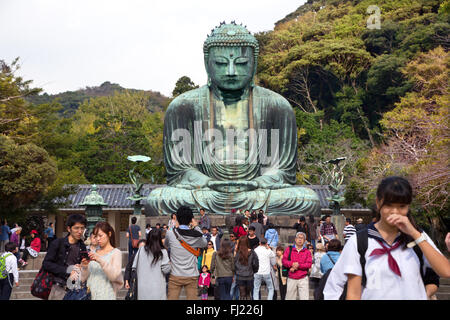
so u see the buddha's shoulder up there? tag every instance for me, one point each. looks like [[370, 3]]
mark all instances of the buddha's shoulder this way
[[189, 98], [276, 98]]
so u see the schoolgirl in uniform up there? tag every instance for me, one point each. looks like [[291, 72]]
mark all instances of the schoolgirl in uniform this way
[[392, 267]]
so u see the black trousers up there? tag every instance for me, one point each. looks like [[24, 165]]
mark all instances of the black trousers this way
[[5, 287]]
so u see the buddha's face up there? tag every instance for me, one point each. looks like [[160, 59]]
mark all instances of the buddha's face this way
[[231, 68]]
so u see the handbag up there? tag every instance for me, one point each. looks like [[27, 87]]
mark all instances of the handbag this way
[[134, 242], [132, 293], [285, 270], [78, 294], [42, 284]]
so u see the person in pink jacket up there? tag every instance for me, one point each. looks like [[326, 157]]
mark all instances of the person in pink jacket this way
[[204, 281], [298, 263], [33, 250]]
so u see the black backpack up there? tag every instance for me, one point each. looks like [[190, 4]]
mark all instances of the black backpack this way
[[362, 238]]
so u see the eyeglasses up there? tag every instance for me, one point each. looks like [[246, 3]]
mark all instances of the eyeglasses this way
[[210, 244]]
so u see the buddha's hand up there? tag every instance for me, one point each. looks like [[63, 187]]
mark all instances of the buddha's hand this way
[[232, 185]]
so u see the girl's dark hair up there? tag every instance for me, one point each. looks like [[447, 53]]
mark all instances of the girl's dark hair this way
[[302, 219], [311, 218], [395, 190], [261, 218], [242, 250], [76, 218], [207, 269], [224, 251], [238, 221], [154, 245], [106, 228]]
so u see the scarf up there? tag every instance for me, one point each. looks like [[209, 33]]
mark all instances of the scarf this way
[[393, 265]]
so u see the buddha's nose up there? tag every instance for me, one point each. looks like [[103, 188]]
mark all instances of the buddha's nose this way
[[231, 69]]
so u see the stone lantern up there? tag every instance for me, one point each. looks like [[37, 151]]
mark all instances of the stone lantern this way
[[94, 212]]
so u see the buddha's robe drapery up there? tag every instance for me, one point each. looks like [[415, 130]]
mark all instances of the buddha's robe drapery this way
[[188, 172]]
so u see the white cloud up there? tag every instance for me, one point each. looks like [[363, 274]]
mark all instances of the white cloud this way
[[70, 44]]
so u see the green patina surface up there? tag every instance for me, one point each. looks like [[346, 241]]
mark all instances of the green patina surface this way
[[230, 102]]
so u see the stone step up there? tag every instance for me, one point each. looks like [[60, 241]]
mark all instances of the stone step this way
[[36, 263]]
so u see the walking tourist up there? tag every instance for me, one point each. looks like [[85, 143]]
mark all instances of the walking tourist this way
[[271, 236], [312, 228], [133, 235], [208, 254], [259, 229], [396, 268], [63, 254], [152, 264], [349, 230], [15, 238], [266, 259], [246, 264], [8, 262], [204, 222], [103, 272], [49, 234], [331, 257], [128, 269], [253, 240], [316, 273], [4, 235], [282, 280], [184, 243], [222, 267], [216, 236], [238, 229], [299, 263]]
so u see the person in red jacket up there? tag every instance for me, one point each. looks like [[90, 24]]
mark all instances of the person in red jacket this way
[[33, 250], [299, 263]]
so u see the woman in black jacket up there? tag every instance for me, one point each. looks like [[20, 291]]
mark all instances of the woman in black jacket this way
[[246, 264]]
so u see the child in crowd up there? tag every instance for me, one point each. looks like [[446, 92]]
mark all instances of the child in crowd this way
[[8, 264], [204, 281]]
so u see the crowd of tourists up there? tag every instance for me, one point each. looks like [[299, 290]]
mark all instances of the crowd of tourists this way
[[390, 258]]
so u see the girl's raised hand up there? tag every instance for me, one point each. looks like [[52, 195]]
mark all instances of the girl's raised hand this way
[[403, 224]]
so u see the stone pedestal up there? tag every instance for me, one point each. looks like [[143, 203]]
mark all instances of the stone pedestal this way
[[141, 222], [339, 223]]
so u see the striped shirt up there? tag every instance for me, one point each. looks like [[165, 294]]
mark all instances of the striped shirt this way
[[349, 231]]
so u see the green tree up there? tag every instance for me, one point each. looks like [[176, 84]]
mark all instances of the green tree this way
[[26, 172], [182, 85]]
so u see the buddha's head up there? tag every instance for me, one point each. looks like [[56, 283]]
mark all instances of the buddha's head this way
[[231, 54]]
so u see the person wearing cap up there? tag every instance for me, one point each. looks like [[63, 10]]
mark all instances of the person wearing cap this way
[[33, 250], [360, 225]]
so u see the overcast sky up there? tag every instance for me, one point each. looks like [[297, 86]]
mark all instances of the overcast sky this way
[[70, 44]]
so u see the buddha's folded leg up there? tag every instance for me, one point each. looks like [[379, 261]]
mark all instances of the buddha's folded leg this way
[[167, 200]]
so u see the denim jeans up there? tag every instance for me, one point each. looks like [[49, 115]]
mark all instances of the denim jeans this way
[[257, 285], [234, 292], [224, 284]]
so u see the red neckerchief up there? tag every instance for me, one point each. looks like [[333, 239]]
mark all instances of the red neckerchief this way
[[391, 261]]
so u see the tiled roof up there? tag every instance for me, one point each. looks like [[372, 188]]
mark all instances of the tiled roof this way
[[115, 195]]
